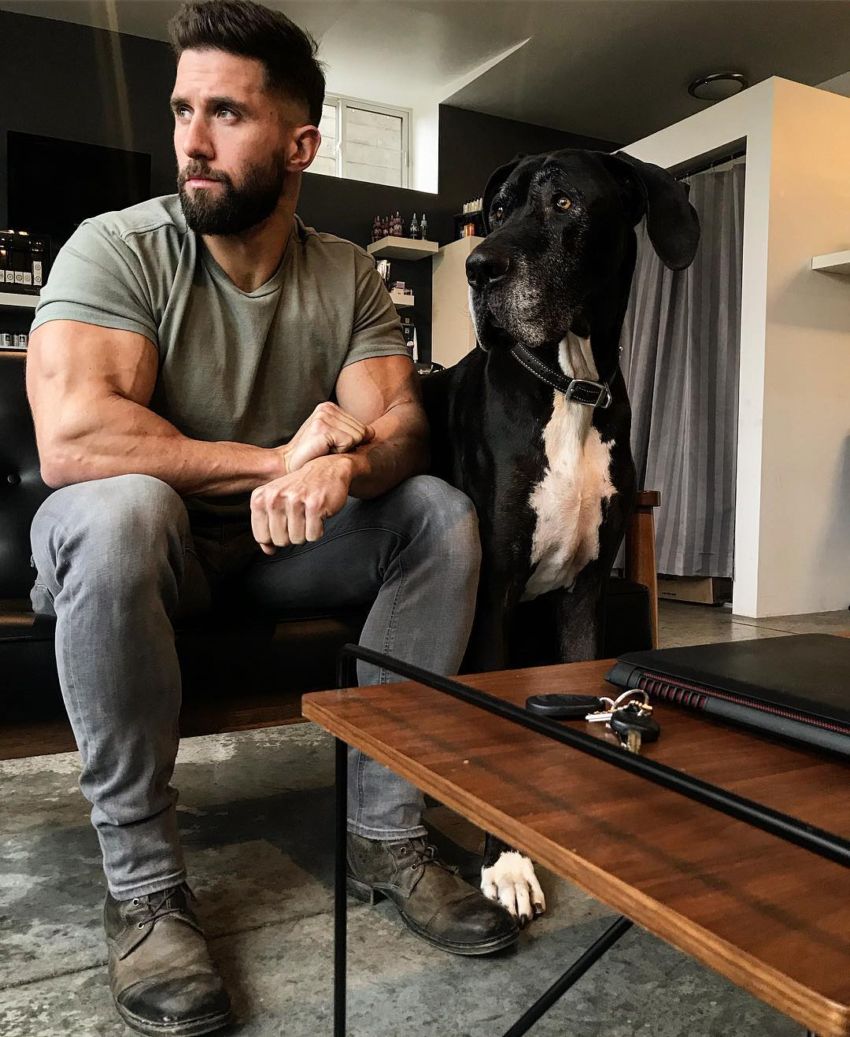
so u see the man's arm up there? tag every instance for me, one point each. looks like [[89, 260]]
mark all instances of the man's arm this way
[[381, 392], [384, 393], [89, 389]]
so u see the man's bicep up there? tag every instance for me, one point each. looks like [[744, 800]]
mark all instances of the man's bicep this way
[[370, 388], [71, 365]]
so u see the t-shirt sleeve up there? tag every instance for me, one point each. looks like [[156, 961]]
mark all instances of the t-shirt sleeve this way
[[97, 279], [377, 329]]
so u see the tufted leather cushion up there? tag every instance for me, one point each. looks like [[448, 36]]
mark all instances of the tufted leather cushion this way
[[21, 488]]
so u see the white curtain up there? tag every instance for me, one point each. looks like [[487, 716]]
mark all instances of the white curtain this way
[[681, 347]]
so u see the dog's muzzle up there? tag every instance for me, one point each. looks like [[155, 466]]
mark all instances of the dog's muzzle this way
[[486, 266]]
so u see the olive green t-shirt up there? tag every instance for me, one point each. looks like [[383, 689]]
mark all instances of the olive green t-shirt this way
[[246, 367]]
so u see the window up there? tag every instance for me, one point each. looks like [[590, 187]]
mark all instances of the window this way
[[363, 141]]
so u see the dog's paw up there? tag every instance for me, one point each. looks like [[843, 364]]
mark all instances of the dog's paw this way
[[512, 882]]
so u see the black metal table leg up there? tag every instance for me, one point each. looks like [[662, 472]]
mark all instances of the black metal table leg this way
[[340, 898], [573, 973]]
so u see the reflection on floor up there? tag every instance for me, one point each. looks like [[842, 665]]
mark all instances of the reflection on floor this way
[[255, 813]]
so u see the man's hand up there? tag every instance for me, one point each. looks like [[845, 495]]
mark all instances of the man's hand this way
[[293, 509], [328, 430]]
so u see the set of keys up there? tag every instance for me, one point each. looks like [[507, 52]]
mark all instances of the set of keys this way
[[629, 715], [630, 718]]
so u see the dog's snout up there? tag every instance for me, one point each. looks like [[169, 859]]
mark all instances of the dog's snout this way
[[484, 266]]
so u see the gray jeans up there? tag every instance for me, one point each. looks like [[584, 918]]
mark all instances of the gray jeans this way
[[118, 560]]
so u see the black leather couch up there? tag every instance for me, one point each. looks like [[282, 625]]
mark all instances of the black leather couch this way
[[238, 672]]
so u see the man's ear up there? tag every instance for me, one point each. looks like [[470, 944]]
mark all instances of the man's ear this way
[[497, 178], [671, 220], [307, 140]]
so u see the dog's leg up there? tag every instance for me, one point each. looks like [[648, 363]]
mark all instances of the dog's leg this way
[[580, 621], [508, 877], [488, 642]]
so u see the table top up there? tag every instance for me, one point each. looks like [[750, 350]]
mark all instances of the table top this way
[[772, 917]]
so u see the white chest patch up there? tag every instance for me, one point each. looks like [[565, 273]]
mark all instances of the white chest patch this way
[[568, 499]]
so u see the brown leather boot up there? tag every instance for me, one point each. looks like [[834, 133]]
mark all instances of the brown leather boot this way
[[433, 901], [162, 978]]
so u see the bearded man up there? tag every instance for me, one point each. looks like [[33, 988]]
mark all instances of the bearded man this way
[[223, 400]]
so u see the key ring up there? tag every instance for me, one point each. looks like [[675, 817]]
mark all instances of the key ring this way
[[623, 700]]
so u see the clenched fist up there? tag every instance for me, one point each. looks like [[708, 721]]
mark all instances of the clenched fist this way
[[293, 509], [328, 430]]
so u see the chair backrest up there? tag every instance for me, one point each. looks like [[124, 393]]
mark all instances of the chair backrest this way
[[21, 486]]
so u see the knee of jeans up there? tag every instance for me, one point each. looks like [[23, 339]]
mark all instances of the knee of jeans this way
[[448, 517], [133, 511]]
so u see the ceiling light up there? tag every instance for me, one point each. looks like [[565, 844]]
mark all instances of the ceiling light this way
[[718, 86]]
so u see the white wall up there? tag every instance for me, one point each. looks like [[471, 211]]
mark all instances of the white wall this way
[[792, 523]]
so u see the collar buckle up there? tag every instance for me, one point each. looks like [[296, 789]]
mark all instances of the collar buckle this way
[[590, 394]]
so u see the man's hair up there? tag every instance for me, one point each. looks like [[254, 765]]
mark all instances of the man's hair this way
[[251, 30]]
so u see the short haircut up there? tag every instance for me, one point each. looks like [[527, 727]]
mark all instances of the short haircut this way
[[251, 30]]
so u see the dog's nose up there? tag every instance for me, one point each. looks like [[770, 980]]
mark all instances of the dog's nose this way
[[483, 267]]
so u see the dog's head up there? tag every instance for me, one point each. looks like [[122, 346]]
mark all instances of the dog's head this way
[[561, 242]]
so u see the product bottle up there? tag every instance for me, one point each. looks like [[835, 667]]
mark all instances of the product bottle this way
[[423, 227], [414, 227]]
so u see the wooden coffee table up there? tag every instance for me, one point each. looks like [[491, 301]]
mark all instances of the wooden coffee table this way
[[770, 916]]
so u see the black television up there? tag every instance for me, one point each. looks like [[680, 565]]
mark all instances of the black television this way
[[53, 184]]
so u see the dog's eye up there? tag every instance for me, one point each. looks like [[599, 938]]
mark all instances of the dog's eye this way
[[562, 202], [497, 212]]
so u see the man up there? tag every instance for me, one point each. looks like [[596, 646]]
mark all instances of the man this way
[[182, 365]]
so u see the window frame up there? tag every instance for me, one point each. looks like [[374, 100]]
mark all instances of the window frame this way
[[342, 103]]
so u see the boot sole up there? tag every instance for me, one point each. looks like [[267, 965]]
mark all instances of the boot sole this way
[[193, 1028], [369, 895]]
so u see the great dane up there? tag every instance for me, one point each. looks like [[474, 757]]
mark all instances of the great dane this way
[[534, 424]]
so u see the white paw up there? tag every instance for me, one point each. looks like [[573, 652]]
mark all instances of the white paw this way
[[512, 882]]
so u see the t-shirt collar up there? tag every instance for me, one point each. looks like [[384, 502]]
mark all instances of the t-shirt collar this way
[[276, 279]]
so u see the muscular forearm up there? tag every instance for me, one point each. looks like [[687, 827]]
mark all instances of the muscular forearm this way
[[124, 437], [399, 450]]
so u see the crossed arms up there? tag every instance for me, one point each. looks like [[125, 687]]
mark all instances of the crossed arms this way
[[89, 389]]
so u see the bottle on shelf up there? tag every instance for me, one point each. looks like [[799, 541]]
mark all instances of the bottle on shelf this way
[[414, 227], [423, 227]]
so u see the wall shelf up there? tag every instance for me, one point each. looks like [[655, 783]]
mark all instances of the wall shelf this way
[[393, 247], [19, 300], [832, 263], [401, 300]]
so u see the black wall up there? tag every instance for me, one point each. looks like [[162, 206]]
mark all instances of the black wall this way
[[97, 87]]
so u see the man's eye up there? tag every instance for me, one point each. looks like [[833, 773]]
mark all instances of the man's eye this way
[[562, 202]]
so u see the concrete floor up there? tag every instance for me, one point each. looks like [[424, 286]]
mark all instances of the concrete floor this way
[[255, 813]]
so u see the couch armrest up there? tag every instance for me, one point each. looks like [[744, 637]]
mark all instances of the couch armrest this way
[[640, 551]]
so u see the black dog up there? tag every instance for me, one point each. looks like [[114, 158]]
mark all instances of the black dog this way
[[534, 425]]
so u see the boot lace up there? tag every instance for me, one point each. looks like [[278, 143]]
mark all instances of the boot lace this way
[[159, 905], [423, 853]]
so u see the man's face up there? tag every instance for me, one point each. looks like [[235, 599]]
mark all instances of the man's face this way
[[231, 137]]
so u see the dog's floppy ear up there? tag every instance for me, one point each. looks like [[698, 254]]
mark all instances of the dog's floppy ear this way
[[671, 220], [496, 180]]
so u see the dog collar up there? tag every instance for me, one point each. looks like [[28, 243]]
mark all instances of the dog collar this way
[[579, 390]]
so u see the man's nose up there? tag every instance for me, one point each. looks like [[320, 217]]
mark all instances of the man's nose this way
[[197, 142], [486, 265]]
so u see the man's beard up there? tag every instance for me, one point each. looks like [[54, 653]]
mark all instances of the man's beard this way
[[229, 209]]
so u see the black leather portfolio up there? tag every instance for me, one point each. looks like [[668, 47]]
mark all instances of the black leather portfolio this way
[[797, 687]]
